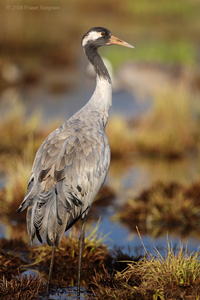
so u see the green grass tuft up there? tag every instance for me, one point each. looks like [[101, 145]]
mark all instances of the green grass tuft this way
[[175, 276]]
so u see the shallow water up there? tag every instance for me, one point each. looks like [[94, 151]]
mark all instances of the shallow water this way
[[126, 178], [65, 105], [69, 292]]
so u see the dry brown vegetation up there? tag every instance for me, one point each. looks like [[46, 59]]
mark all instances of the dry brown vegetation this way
[[163, 208], [66, 255], [23, 288], [21, 135], [171, 277], [117, 275], [66, 258], [18, 172], [13, 285], [38, 258], [169, 130]]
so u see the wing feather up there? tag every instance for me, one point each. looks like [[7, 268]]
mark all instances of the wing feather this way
[[68, 170]]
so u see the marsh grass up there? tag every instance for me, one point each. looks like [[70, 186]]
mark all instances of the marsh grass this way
[[169, 130], [21, 134], [12, 194], [164, 207], [17, 256], [16, 130], [13, 285], [22, 287], [9, 264], [20, 138], [175, 276], [120, 137], [67, 254]]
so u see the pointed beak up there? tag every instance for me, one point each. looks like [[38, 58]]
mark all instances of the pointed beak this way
[[116, 41]]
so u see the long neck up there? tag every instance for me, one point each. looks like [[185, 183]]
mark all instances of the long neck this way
[[97, 62], [101, 99]]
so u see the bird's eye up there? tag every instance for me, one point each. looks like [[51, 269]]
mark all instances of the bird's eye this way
[[103, 33]]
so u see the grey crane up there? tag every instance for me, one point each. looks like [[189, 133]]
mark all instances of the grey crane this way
[[72, 163]]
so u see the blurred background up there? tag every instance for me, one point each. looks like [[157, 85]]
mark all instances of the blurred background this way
[[154, 128]]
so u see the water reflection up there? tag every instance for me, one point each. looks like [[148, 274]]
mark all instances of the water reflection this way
[[127, 179], [130, 242]]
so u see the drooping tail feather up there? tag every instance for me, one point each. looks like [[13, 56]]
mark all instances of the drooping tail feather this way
[[52, 213]]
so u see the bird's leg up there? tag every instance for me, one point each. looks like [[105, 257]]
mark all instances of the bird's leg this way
[[51, 268], [81, 244]]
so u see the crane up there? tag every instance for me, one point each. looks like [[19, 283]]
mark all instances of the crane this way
[[72, 163]]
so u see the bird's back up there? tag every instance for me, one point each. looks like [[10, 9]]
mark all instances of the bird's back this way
[[68, 171]]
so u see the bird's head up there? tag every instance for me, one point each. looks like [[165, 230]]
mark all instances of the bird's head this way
[[99, 36]]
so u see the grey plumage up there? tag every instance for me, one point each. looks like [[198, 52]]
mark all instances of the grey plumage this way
[[68, 170], [72, 163]]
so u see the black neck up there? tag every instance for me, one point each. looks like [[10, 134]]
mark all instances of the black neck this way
[[92, 54]]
